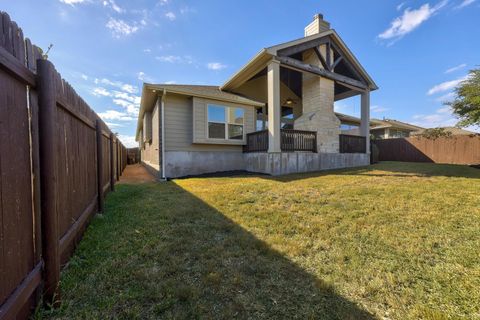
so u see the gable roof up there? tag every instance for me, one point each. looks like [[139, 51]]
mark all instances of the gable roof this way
[[150, 93], [390, 123], [260, 61]]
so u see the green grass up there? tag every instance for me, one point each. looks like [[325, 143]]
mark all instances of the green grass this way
[[393, 241]]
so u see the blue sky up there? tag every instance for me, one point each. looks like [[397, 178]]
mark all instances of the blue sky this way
[[416, 51]]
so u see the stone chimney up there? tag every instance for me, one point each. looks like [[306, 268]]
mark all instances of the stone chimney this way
[[318, 25], [318, 97]]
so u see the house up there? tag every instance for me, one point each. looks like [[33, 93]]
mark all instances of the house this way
[[389, 129], [274, 116], [454, 131], [379, 129]]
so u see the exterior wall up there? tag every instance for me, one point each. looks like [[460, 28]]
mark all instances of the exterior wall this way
[[318, 114], [200, 121], [296, 162], [151, 151], [179, 127]]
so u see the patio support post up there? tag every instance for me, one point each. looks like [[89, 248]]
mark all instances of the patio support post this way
[[274, 112], [365, 118]]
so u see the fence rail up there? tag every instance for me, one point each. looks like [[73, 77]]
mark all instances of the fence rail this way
[[290, 140], [453, 150], [352, 144], [58, 159]]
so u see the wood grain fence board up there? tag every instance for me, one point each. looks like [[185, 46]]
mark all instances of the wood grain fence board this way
[[453, 150], [49, 202], [18, 255]]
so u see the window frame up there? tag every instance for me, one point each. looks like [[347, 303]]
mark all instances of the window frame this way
[[226, 122]]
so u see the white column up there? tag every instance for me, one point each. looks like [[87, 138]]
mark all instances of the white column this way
[[274, 110], [365, 115]]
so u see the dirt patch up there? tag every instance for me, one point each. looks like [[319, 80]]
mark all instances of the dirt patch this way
[[136, 173]]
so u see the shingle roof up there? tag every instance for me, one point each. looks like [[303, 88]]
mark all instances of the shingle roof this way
[[211, 92]]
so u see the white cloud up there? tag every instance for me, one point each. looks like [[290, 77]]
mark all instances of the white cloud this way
[[121, 28], [84, 76], [442, 117], [216, 66], [170, 82], [378, 109], [123, 86], [147, 50], [410, 20], [114, 125], [446, 97], [170, 15], [113, 5], [99, 91], [142, 76], [445, 86], [452, 69], [128, 141], [400, 6], [464, 4], [163, 2], [73, 2], [115, 115], [175, 59]]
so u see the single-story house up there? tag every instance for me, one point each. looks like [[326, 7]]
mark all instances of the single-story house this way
[[274, 116], [379, 129], [454, 131]]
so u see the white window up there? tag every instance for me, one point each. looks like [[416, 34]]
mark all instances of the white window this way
[[225, 122]]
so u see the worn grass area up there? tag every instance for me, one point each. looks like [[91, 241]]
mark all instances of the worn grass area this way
[[395, 240]]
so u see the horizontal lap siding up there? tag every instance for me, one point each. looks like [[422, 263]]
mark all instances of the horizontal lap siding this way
[[179, 126]]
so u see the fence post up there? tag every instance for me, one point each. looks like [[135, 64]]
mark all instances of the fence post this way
[[98, 126], [112, 163], [47, 147]]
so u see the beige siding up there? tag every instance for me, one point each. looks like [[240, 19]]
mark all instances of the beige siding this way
[[151, 150], [179, 125]]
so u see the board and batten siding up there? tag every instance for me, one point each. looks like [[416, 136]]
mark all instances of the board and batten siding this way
[[186, 125]]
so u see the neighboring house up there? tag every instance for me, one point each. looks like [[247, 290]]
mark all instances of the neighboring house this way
[[453, 130], [379, 129], [274, 116], [389, 129]]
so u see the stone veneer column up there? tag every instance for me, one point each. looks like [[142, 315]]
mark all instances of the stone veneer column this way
[[317, 99]]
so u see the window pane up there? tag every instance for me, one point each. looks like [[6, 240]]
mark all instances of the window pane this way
[[216, 113], [235, 131], [238, 116], [216, 130]]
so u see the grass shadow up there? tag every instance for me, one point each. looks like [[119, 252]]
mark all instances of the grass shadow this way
[[391, 169], [161, 252]]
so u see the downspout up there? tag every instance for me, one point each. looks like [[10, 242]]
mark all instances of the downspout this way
[[163, 132]]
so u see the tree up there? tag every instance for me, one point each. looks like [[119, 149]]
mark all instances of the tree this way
[[467, 102]]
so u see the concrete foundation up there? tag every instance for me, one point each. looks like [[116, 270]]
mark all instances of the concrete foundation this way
[[296, 162], [185, 163]]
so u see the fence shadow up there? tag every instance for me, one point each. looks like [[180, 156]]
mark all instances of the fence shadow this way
[[194, 262]]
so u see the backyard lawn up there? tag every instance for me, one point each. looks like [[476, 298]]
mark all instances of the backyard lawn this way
[[394, 241]]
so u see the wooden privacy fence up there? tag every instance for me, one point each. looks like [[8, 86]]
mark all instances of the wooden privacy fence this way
[[454, 150], [58, 160]]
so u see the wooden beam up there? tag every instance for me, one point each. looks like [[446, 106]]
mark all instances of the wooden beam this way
[[302, 47], [340, 58], [348, 64], [321, 58], [304, 67], [329, 59]]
